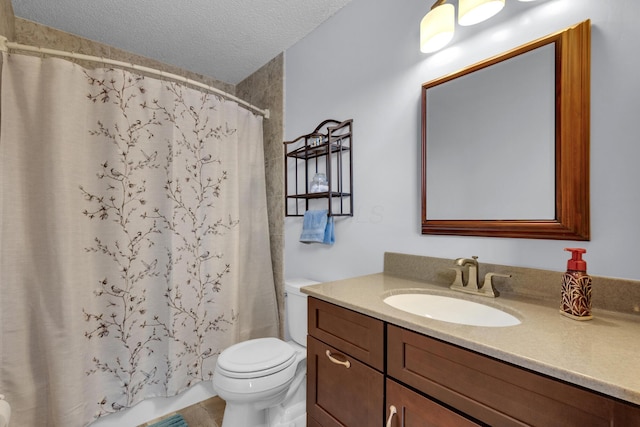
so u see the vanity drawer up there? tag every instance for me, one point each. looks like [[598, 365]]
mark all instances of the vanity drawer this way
[[355, 334], [492, 391], [341, 391]]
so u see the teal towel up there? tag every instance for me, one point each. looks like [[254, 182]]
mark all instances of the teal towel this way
[[317, 227], [173, 421]]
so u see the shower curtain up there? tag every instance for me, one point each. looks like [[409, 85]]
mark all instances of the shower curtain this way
[[134, 240]]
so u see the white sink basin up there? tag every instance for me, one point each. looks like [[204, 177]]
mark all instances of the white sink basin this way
[[453, 310]]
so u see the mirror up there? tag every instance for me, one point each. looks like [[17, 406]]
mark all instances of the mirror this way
[[505, 143], [466, 129]]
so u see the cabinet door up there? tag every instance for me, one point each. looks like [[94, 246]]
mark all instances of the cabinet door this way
[[626, 414], [415, 410], [342, 391]]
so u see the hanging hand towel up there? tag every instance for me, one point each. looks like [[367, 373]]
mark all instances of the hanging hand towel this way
[[329, 237], [317, 227]]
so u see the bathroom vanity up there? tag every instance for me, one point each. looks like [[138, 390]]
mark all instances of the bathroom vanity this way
[[369, 362]]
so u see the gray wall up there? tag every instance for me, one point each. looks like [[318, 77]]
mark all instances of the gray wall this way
[[364, 63]]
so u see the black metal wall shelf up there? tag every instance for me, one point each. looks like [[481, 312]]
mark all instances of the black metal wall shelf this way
[[327, 150]]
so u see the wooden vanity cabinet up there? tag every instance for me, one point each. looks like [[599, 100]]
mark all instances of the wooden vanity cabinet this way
[[432, 383], [345, 362]]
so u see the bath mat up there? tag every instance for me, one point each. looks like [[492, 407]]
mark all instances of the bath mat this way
[[173, 421]]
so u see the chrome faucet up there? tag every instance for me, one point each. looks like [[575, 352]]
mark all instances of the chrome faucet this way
[[471, 284]]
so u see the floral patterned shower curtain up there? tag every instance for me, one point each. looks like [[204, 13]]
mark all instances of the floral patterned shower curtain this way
[[133, 242]]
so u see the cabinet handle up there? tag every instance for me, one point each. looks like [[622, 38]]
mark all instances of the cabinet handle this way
[[346, 363], [392, 412]]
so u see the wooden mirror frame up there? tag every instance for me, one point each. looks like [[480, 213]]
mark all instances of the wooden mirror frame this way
[[571, 222]]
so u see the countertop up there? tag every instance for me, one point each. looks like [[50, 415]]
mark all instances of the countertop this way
[[602, 354]]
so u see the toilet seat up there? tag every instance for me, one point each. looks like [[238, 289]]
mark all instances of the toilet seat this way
[[256, 358]]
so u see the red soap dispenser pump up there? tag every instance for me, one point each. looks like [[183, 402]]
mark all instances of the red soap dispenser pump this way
[[576, 287]]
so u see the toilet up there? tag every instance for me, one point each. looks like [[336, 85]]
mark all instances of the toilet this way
[[263, 380]]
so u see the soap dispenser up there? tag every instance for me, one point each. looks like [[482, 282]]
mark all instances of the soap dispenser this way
[[576, 287]]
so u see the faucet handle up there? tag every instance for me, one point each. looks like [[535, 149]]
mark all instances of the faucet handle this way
[[487, 285], [457, 283]]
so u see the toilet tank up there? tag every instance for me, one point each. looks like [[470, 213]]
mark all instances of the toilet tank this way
[[296, 309]]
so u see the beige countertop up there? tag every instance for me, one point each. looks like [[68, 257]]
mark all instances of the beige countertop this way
[[602, 354]]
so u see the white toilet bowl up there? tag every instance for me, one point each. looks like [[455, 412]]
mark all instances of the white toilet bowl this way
[[263, 381]]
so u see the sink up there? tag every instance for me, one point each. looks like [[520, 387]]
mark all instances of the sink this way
[[450, 309]]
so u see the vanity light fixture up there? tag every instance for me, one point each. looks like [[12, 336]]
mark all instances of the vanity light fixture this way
[[471, 12], [437, 27]]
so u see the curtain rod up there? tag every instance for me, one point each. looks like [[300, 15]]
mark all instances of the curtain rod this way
[[6, 45]]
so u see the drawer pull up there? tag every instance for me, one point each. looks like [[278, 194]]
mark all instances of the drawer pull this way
[[346, 363], [392, 412]]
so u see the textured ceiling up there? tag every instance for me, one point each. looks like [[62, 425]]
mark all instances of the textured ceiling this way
[[224, 39]]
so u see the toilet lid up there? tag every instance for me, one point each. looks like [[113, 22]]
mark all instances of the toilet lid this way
[[256, 358]]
